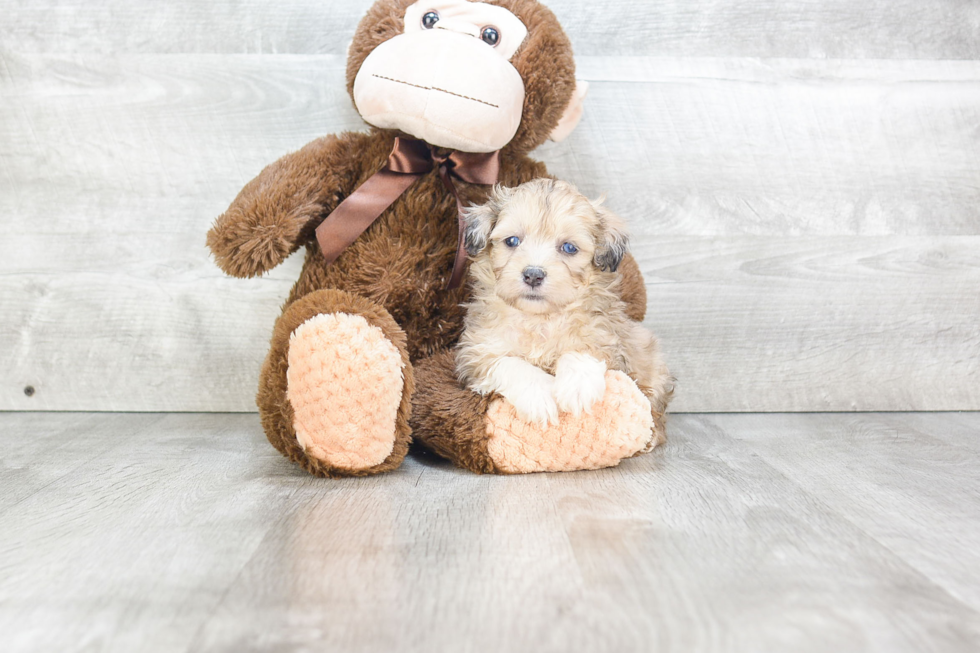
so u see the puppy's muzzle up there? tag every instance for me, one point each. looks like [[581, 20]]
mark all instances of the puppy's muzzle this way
[[534, 276]]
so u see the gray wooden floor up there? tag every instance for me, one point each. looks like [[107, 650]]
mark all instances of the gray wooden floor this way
[[187, 532]]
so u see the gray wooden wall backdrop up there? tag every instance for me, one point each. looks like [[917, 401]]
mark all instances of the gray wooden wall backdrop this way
[[803, 177]]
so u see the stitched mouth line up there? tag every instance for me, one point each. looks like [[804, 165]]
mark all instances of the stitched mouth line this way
[[433, 88]]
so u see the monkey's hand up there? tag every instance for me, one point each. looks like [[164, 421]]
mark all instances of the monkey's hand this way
[[277, 211], [580, 381]]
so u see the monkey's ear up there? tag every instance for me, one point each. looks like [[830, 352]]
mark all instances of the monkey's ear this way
[[480, 220], [573, 112], [613, 241]]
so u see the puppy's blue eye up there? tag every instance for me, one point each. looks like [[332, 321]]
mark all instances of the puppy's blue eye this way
[[513, 241], [569, 248], [490, 36]]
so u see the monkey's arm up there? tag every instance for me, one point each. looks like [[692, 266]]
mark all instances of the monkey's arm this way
[[278, 211]]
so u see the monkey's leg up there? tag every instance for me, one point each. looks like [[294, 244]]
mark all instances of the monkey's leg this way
[[450, 418], [485, 435], [335, 389]]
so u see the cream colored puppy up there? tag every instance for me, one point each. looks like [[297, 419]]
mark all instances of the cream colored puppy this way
[[546, 319]]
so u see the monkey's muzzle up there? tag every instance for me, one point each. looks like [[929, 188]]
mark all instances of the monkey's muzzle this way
[[448, 89]]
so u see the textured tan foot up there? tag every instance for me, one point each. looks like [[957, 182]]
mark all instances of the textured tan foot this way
[[345, 383], [619, 426]]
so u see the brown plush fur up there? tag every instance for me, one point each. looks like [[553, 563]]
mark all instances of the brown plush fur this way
[[395, 274], [449, 419]]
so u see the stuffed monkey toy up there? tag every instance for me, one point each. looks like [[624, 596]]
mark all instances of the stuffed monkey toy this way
[[457, 94]]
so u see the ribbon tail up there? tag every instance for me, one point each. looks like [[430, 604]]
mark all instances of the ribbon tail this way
[[359, 210], [473, 168], [459, 262]]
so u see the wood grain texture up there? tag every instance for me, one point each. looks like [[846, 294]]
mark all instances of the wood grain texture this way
[[876, 29], [959, 429], [137, 543], [144, 144], [761, 324], [808, 228], [149, 142], [747, 323], [882, 477], [194, 535], [780, 147], [42, 448]]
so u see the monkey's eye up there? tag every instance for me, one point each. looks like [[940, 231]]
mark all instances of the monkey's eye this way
[[569, 248], [490, 35], [430, 19], [513, 241]]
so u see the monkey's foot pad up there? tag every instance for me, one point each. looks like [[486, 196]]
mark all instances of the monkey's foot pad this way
[[620, 426], [344, 382]]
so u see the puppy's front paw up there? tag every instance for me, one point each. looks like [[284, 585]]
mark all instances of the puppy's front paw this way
[[533, 397], [580, 381]]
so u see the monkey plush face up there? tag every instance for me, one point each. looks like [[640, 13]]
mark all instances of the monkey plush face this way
[[469, 76], [447, 79]]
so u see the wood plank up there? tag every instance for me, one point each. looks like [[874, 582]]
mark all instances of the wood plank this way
[[819, 29], [957, 429], [182, 26], [780, 147], [141, 333], [133, 548], [45, 447], [153, 143], [195, 535], [915, 494], [150, 144], [876, 29], [819, 324], [746, 324]]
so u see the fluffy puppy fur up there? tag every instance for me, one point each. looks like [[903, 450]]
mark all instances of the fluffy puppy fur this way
[[546, 319]]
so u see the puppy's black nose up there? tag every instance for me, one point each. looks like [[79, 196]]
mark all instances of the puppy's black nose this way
[[534, 276]]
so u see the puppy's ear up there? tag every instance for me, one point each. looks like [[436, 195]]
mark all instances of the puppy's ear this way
[[480, 220], [478, 224], [612, 242]]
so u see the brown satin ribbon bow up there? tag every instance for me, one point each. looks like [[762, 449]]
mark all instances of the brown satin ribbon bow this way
[[408, 161]]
